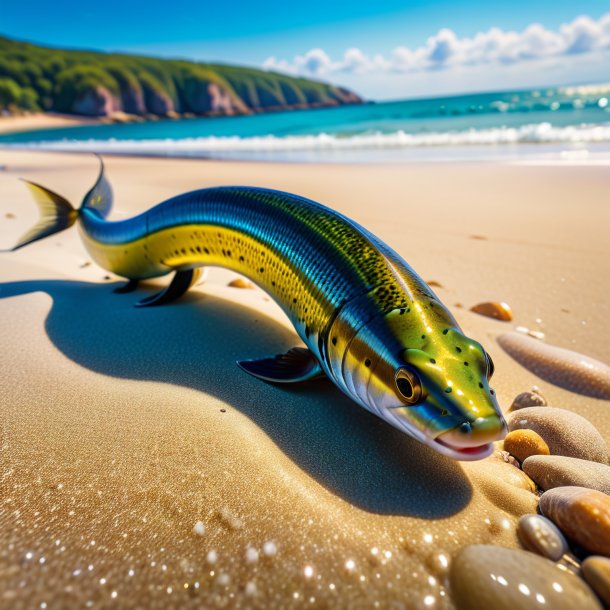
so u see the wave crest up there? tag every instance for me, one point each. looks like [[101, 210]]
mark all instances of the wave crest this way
[[208, 146]]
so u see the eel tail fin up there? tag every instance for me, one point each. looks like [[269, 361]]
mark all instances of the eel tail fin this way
[[56, 214]]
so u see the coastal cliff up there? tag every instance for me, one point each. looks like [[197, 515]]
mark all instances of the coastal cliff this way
[[96, 84]]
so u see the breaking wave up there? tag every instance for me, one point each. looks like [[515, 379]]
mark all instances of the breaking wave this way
[[236, 145]]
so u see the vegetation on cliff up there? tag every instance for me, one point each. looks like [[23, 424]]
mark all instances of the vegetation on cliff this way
[[99, 84]]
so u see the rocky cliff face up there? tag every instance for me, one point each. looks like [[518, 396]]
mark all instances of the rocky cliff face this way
[[204, 98], [158, 102], [132, 101], [346, 96], [100, 84], [97, 101]]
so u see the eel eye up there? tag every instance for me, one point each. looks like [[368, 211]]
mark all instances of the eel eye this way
[[490, 366], [408, 386]]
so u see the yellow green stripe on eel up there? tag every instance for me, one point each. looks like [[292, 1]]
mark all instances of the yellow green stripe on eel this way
[[368, 321]]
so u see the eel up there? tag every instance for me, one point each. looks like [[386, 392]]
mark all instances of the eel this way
[[368, 321]]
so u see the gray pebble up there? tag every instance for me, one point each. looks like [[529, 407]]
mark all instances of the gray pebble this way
[[565, 368], [565, 432], [538, 534], [596, 571], [486, 576], [551, 471], [528, 399]]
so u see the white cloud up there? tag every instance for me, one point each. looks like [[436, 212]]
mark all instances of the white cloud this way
[[495, 46]]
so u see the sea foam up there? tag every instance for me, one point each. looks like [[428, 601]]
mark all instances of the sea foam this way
[[213, 145]]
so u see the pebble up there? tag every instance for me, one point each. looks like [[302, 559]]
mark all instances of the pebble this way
[[582, 514], [525, 443], [240, 283], [551, 471], [498, 311], [538, 534], [596, 571], [564, 432], [528, 399], [565, 368], [486, 576], [536, 334]]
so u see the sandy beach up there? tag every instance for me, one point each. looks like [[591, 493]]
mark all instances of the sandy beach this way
[[47, 120], [124, 428]]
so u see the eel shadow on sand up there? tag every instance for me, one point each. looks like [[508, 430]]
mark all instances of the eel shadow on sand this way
[[195, 343]]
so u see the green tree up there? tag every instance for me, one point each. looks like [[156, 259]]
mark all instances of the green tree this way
[[10, 93], [29, 99]]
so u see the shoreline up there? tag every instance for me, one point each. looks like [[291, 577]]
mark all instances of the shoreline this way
[[35, 121], [533, 154], [537, 144], [42, 120]]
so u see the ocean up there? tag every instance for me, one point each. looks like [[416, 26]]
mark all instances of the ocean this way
[[558, 123]]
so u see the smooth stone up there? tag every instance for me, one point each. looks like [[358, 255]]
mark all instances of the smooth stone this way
[[240, 283], [528, 399], [564, 432], [565, 368], [582, 514], [596, 571], [486, 576], [551, 471], [540, 535], [525, 443], [498, 311]]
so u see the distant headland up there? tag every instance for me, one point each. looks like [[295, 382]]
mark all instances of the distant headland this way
[[130, 87]]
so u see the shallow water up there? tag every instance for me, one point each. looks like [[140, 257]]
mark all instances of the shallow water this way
[[481, 125]]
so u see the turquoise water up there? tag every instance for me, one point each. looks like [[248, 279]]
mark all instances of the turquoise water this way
[[505, 123]]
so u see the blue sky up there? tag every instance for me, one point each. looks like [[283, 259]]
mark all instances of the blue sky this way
[[387, 42]]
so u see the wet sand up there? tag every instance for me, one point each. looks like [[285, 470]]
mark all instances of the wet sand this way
[[122, 427]]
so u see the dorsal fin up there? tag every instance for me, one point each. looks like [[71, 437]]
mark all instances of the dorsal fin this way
[[99, 198]]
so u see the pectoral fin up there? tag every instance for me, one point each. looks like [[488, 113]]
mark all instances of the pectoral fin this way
[[130, 286], [180, 283], [297, 364]]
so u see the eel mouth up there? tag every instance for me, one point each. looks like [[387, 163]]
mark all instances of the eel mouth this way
[[459, 449], [471, 440], [477, 452]]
